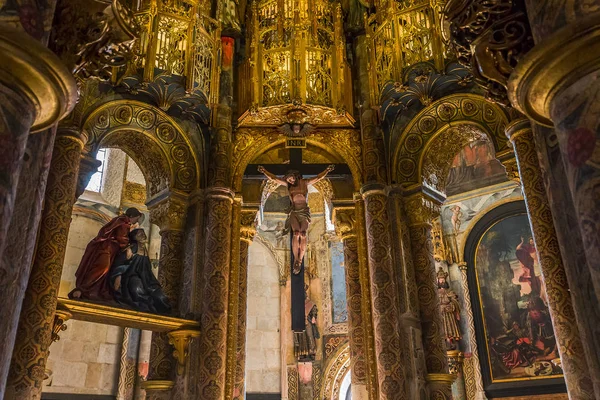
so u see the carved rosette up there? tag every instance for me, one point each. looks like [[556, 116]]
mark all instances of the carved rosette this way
[[345, 222], [213, 342], [490, 37], [386, 315], [35, 331], [422, 211], [574, 365], [247, 232]]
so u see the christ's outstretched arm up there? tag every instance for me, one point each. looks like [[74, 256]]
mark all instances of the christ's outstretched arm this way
[[270, 176], [322, 175]]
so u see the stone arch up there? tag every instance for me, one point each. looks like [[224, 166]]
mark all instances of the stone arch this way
[[432, 139], [250, 143], [155, 141], [335, 371]]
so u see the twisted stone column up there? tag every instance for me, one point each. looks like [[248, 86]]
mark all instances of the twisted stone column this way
[[37, 313], [421, 211], [574, 364], [169, 213], [213, 341], [384, 302], [247, 232], [345, 220]]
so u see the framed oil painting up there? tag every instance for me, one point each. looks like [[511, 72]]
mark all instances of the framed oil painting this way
[[515, 338]]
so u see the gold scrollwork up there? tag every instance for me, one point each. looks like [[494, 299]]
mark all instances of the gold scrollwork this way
[[180, 340]]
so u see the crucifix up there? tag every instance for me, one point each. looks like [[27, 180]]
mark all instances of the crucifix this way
[[296, 176]]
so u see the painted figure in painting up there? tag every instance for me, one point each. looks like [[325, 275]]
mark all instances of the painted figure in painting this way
[[132, 280], [520, 337], [298, 218], [450, 310], [92, 274]]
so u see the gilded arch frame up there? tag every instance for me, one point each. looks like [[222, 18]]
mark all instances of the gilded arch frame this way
[[153, 133], [426, 127]]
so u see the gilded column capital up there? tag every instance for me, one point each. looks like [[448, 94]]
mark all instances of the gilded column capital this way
[[345, 221], [512, 169], [217, 192], [29, 67], [421, 209], [248, 223], [556, 64], [168, 210]]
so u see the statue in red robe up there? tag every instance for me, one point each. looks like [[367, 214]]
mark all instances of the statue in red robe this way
[[92, 281]]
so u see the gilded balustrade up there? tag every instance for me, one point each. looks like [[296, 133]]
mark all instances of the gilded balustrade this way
[[401, 35], [296, 56], [178, 38]]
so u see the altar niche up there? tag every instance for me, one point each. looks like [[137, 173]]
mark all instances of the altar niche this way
[[297, 176]]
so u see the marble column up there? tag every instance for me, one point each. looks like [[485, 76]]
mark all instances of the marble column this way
[[557, 84], [213, 341], [37, 313], [384, 302], [345, 223], [574, 364], [169, 212], [421, 210], [247, 232]]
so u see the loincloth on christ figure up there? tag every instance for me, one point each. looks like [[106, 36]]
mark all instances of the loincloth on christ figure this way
[[301, 215]]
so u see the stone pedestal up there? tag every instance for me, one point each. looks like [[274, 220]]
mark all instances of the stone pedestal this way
[[213, 341], [246, 235], [576, 370], [421, 211], [384, 302], [37, 314], [345, 220]]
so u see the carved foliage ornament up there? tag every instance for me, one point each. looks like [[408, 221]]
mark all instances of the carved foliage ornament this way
[[92, 41], [491, 36]]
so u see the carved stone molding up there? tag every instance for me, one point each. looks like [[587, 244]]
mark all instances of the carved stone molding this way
[[180, 340], [492, 37], [317, 116], [422, 209]]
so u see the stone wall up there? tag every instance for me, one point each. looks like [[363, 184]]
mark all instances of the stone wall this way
[[263, 357], [85, 360]]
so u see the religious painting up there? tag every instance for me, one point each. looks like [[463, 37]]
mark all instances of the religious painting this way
[[474, 167], [338, 282], [515, 331]]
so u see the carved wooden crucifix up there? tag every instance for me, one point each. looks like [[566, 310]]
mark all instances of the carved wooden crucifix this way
[[274, 172]]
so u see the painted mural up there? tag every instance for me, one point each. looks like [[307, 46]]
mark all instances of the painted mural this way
[[473, 168], [338, 282], [520, 340]]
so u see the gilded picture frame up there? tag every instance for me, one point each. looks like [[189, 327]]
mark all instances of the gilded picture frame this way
[[515, 339]]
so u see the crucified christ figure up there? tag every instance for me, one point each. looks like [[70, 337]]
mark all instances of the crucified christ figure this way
[[299, 214]]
